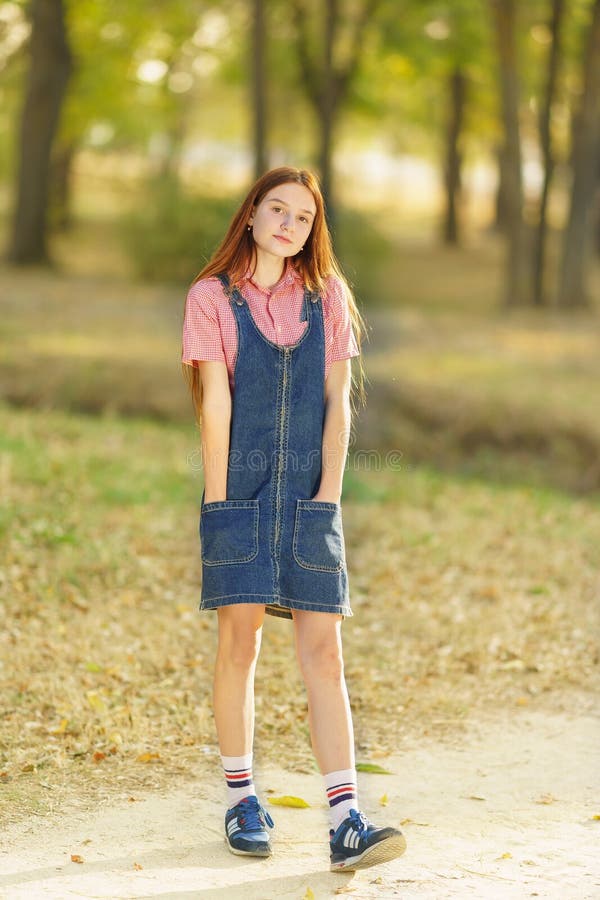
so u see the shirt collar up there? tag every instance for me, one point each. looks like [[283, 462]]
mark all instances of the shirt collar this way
[[290, 274]]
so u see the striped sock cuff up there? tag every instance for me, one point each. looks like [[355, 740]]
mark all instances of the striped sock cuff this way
[[341, 786], [339, 793], [238, 775], [237, 778]]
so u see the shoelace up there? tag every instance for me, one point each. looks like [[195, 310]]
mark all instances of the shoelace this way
[[359, 821], [254, 817]]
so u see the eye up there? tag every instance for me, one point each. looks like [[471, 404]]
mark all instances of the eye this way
[[276, 208], [304, 219]]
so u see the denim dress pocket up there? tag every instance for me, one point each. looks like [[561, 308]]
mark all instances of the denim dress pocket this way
[[318, 542], [229, 532]]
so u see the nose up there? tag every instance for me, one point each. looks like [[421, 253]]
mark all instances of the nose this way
[[288, 222]]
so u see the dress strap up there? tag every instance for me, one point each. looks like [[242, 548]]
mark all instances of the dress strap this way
[[232, 294]]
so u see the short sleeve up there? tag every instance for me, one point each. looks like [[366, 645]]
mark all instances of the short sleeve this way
[[202, 339], [344, 344]]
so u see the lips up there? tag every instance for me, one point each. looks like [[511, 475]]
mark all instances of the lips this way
[[280, 237]]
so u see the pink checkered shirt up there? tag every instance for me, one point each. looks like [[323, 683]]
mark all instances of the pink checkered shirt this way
[[209, 328]]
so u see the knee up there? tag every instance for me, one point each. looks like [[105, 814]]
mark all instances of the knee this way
[[238, 648], [321, 661]]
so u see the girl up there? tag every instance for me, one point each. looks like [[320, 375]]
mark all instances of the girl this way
[[267, 343]]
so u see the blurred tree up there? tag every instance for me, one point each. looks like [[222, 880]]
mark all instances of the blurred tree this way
[[516, 281], [259, 99], [326, 79], [49, 70], [585, 154], [457, 96], [546, 146]]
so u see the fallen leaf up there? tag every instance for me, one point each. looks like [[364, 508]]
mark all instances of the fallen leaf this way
[[147, 757], [384, 800], [546, 799], [309, 895], [96, 702], [295, 802], [93, 667], [505, 856], [371, 767], [61, 728], [99, 756], [595, 818], [522, 701], [137, 867], [475, 797], [76, 858]]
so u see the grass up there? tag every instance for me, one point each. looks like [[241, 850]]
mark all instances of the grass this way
[[474, 595]]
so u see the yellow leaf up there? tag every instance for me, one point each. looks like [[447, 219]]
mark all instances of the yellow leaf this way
[[147, 757], [60, 729], [295, 802], [137, 867], [505, 856], [76, 858], [96, 702], [595, 818], [384, 800], [309, 895]]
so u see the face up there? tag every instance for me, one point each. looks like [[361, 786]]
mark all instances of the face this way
[[283, 220]]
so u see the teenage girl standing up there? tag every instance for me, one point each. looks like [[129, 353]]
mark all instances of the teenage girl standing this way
[[267, 343]]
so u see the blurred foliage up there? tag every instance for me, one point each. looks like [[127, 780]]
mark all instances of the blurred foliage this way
[[152, 77], [172, 234]]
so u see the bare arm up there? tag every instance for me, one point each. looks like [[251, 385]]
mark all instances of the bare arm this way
[[336, 431], [216, 420]]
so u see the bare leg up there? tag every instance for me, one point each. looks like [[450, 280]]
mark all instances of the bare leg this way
[[240, 633], [319, 650]]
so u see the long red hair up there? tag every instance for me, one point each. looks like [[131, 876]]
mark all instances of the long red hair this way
[[315, 262]]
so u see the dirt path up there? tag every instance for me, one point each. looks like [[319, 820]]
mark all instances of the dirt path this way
[[507, 811]]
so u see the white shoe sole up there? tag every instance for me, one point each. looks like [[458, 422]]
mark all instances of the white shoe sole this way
[[260, 854], [384, 851]]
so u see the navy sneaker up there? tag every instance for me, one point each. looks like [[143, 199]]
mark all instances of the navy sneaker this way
[[245, 825], [358, 843]]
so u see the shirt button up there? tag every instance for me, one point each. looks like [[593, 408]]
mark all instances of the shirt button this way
[[279, 328]]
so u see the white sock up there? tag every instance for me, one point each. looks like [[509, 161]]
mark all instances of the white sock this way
[[342, 795], [238, 775]]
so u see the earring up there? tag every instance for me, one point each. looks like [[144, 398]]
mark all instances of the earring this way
[[249, 227]]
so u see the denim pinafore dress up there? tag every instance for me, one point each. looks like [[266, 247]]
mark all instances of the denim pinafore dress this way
[[269, 542]]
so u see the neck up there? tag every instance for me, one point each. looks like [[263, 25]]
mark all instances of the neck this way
[[269, 269]]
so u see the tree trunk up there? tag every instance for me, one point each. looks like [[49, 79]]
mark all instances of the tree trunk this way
[[501, 215], [453, 158], [259, 101], [327, 106], [515, 291], [325, 82], [586, 149], [50, 67], [61, 167], [539, 296]]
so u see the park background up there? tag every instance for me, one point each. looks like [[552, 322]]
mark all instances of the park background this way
[[458, 145]]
